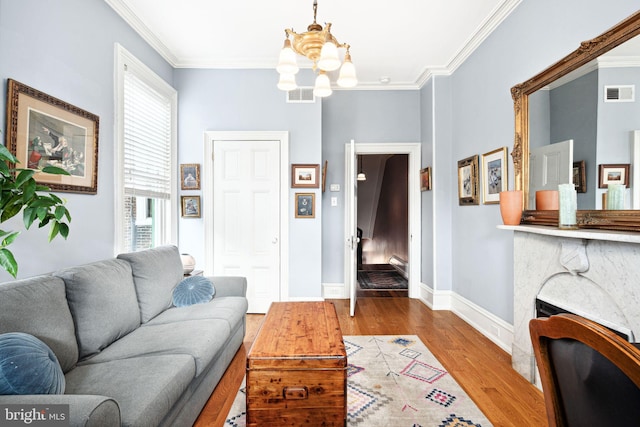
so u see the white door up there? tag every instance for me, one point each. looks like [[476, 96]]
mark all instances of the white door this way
[[550, 165], [246, 232], [352, 241]]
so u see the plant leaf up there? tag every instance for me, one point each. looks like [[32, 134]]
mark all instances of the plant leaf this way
[[55, 229], [8, 262], [64, 230], [28, 216], [24, 176], [60, 212], [11, 208], [9, 239], [29, 190], [6, 155], [4, 169], [55, 170]]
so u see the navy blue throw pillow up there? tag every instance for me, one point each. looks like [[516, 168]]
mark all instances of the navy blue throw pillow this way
[[193, 290], [28, 366]]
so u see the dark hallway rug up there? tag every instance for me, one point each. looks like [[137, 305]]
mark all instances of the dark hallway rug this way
[[389, 279]]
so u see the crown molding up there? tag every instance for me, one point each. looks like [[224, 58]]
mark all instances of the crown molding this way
[[499, 14], [139, 27]]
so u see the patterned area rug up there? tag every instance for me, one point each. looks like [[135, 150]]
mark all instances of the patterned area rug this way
[[395, 381], [390, 279]]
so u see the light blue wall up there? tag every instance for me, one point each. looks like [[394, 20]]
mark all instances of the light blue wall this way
[[427, 197], [445, 199], [366, 117], [248, 100], [574, 115], [65, 48], [616, 121]]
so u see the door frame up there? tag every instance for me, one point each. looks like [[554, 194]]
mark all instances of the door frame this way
[[208, 210], [413, 150]]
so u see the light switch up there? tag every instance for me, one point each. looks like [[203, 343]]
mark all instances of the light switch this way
[[334, 201], [335, 187]]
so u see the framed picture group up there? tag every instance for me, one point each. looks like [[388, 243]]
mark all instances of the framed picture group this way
[[488, 175], [190, 180]]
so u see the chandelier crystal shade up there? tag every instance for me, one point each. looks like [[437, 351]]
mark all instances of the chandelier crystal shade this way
[[321, 47]]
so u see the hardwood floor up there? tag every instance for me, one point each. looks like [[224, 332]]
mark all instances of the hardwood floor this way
[[480, 367]]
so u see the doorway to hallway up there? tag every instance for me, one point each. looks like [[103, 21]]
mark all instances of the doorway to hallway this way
[[383, 225], [413, 233]]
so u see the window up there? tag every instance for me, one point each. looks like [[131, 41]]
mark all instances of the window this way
[[146, 206]]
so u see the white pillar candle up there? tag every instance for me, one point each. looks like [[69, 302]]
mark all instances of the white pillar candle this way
[[615, 196], [568, 201]]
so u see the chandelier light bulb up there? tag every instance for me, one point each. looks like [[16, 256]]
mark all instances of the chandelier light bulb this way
[[323, 86], [287, 82], [347, 77], [287, 63], [329, 60]]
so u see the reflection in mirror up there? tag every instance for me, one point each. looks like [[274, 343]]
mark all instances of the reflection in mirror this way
[[595, 106], [587, 97]]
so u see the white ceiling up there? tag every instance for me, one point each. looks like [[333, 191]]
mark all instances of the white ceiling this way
[[404, 40]]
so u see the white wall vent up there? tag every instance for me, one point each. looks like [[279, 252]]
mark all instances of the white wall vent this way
[[301, 95], [620, 93]]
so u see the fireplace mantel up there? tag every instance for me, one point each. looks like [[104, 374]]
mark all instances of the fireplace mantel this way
[[613, 236], [594, 273]]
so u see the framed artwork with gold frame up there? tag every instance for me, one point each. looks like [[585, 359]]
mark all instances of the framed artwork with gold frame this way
[[46, 131], [468, 181], [305, 205]]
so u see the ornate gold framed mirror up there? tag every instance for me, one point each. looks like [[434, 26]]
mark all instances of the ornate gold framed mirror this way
[[587, 52]]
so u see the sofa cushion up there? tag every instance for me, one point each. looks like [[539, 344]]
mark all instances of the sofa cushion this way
[[146, 388], [28, 366], [103, 303], [229, 309], [38, 306], [201, 339], [193, 290], [155, 273]]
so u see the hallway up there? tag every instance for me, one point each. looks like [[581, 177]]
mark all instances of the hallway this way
[[381, 280]]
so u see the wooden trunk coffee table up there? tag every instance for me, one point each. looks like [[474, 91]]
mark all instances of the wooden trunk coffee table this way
[[297, 368]]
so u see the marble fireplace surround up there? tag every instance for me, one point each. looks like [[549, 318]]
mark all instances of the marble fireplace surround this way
[[592, 273]]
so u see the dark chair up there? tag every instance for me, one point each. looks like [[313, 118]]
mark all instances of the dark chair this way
[[590, 376]]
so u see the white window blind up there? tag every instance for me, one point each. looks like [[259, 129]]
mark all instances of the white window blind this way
[[147, 140]]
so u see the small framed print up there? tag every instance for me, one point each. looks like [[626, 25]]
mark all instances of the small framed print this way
[[190, 206], [468, 181], [305, 176], [190, 176], [494, 175], [613, 174], [305, 205], [425, 179]]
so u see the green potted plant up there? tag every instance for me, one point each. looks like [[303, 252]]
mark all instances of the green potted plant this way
[[20, 192]]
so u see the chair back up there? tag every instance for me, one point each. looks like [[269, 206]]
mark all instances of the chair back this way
[[590, 376]]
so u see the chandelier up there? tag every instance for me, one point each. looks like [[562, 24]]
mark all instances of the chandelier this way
[[321, 47]]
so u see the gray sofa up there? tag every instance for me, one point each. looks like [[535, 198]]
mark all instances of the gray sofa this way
[[129, 357]]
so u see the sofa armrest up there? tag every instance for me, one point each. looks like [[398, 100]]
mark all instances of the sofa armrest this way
[[84, 410], [229, 286]]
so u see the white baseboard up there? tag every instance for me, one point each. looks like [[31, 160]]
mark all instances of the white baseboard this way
[[334, 291], [488, 324], [440, 300]]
